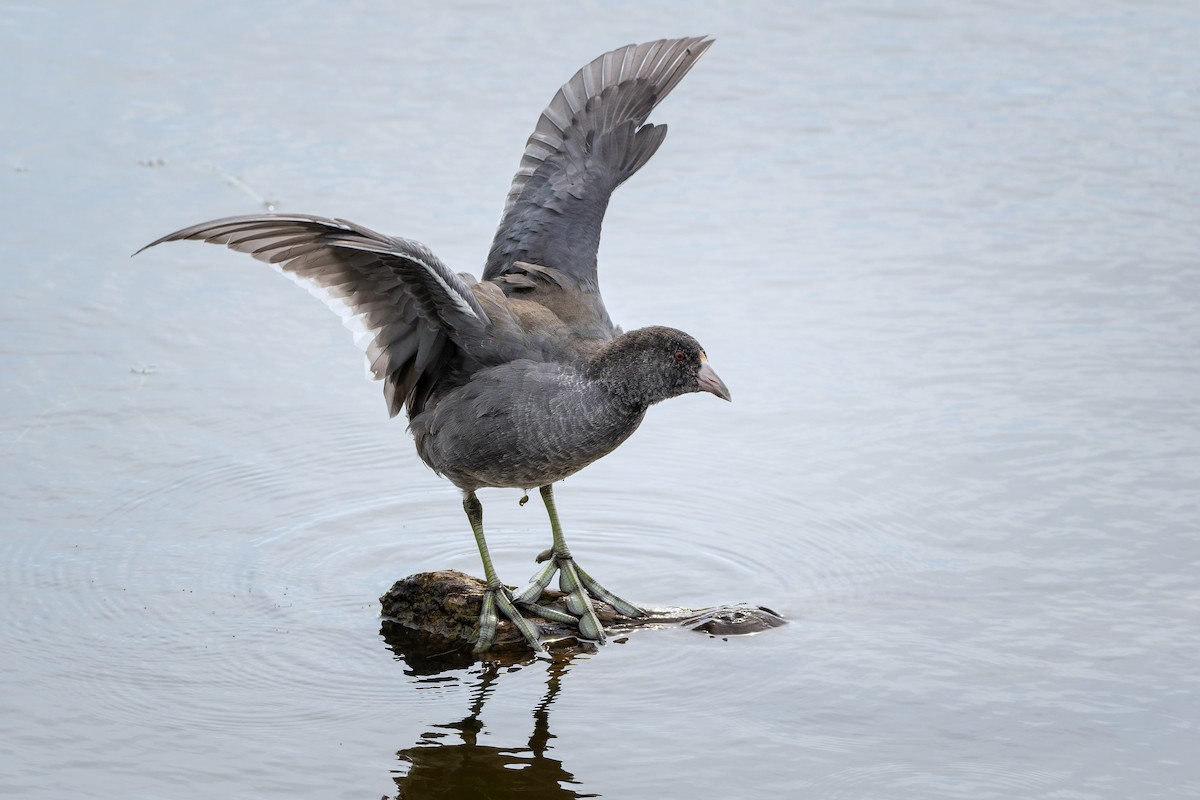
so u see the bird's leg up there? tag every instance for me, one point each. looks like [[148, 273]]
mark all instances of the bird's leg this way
[[577, 584], [496, 595]]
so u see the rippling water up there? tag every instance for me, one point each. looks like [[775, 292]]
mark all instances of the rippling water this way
[[944, 255]]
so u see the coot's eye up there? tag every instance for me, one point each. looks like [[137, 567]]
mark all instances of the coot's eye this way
[[679, 356]]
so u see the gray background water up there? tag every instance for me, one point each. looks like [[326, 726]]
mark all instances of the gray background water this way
[[944, 254]]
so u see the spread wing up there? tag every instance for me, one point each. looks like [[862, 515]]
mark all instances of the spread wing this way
[[411, 313], [588, 141]]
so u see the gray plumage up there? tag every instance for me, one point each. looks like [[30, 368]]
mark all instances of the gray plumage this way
[[588, 141], [528, 423], [520, 379]]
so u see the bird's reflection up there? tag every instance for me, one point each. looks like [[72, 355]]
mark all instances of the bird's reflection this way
[[449, 761]]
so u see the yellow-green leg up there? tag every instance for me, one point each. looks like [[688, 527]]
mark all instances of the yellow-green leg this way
[[579, 586], [496, 595]]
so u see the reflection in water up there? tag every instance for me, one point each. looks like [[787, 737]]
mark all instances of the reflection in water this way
[[449, 762]]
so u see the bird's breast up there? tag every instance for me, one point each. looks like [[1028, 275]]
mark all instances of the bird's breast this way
[[521, 425]]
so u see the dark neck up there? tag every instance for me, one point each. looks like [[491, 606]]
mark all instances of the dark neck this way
[[621, 369]]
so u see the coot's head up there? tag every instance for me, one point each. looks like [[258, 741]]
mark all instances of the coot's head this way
[[652, 364]]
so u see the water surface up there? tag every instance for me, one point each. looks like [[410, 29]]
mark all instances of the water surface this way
[[944, 256]]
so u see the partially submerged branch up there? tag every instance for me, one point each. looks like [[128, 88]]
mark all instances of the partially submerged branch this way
[[445, 606]]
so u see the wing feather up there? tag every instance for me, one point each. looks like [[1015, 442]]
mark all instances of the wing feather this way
[[589, 140], [410, 313]]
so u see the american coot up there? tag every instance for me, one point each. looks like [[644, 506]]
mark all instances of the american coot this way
[[519, 379]]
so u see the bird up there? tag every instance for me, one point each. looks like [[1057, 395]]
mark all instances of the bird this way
[[520, 378]]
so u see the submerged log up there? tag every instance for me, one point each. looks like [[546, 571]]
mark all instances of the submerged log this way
[[440, 611]]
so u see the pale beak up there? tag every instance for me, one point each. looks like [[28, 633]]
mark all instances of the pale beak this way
[[710, 382]]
